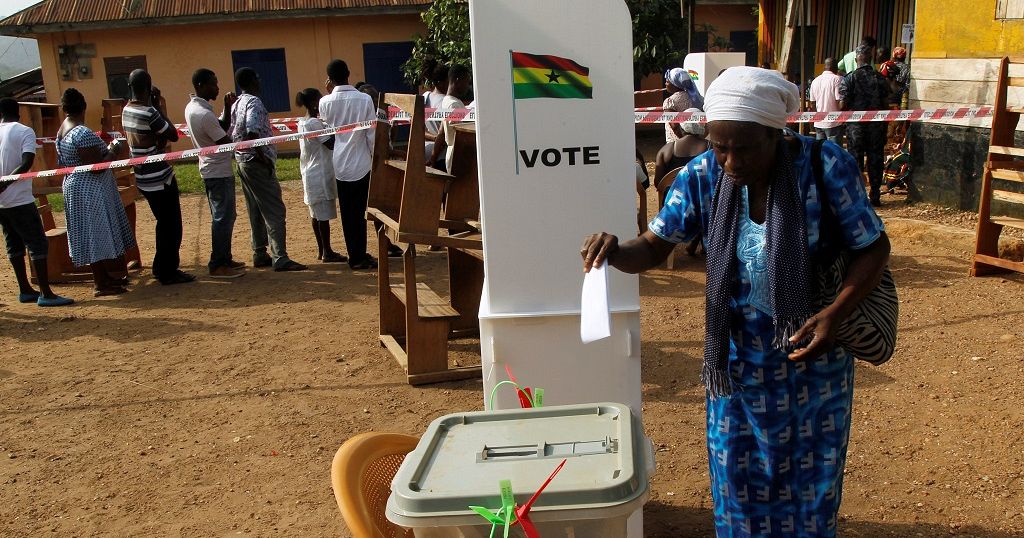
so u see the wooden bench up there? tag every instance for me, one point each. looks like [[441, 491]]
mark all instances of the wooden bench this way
[[404, 202]]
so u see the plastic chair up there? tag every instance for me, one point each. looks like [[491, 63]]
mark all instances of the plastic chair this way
[[361, 475]]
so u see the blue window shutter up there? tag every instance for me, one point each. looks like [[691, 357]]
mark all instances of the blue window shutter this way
[[273, 71]]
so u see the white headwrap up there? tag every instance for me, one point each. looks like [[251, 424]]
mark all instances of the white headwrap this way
[[752, 94], [678, 77], [694, 128]]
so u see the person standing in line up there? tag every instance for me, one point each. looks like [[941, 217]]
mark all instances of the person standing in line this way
[[98, 229], [206, 129], [352, 157], [19, 218], [148, 132], [438, 78], [460, 84], [682, 95], [867, 89], [318, 185], [848, 64], [897, 72], [825, 96], [257, 168]]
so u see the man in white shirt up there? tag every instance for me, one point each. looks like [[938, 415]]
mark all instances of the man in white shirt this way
[[825, 95], [353, 154], [206, 129], [460, 83], [19, 217]]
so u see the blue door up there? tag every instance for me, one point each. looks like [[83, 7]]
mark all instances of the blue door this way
[[270, 65], [382, 63]]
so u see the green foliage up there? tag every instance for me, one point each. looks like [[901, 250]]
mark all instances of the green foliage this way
[[446, 41], [659, 37]]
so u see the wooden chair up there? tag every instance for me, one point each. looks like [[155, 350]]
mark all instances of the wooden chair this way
[[405, 203], [361, 475], [1001, 182], [402, 193]]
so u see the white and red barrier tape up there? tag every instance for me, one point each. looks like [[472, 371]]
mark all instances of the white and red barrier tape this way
[[641, 116], [849, 116], [191, 153], [651, 115]]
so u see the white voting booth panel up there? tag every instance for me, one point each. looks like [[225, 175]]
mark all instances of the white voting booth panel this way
[[553, 170], [535, 218], [704, 67]]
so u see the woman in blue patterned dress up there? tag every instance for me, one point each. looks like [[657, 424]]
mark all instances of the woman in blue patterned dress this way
[[98, 228], [779, 392]]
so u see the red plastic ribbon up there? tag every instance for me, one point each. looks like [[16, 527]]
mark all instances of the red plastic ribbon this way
[[523, 512], [525, 401]]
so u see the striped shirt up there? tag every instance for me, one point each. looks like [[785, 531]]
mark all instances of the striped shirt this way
[[143, 127]]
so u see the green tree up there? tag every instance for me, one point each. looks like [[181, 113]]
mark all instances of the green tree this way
[[446, 40], [659, 37]]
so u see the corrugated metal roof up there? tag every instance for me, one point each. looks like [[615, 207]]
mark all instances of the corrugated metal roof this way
[[63, 14]]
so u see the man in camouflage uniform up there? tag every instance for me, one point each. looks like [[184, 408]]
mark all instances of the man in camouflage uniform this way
[[866, 89]]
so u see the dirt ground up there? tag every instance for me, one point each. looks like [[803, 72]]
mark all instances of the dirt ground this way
[[214, 409]]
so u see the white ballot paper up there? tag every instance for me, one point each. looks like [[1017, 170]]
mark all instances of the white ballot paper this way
[[595, 317]]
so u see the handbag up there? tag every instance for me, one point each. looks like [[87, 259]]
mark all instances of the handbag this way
[[869, 333]]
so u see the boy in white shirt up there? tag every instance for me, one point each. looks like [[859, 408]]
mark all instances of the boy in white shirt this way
[[19, 218]]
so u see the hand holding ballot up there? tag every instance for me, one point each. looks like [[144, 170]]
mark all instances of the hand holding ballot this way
[[597, 249], [633, 256]]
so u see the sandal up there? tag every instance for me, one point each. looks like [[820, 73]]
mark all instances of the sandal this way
[[334, 257]]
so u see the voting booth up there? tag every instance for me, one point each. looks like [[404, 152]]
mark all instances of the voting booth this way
[[704, 67], [553, 168], [553, 84]]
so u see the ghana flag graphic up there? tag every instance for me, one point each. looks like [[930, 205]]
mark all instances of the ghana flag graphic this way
[[542, 75]]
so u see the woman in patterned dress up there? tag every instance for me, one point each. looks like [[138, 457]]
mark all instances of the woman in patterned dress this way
[[682, 94], [779, 392], [98, 228]]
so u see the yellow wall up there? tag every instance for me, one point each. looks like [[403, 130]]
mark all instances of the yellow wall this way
[[174, 52], [725, 18], [965, 29]]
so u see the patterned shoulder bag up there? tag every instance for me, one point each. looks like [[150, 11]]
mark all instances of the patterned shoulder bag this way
[[869, 333]]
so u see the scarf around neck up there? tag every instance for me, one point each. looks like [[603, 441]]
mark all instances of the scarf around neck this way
[[788, 265]]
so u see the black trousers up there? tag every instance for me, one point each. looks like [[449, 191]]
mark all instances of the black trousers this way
[[352, 203], [166, 207], [868, 140]]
